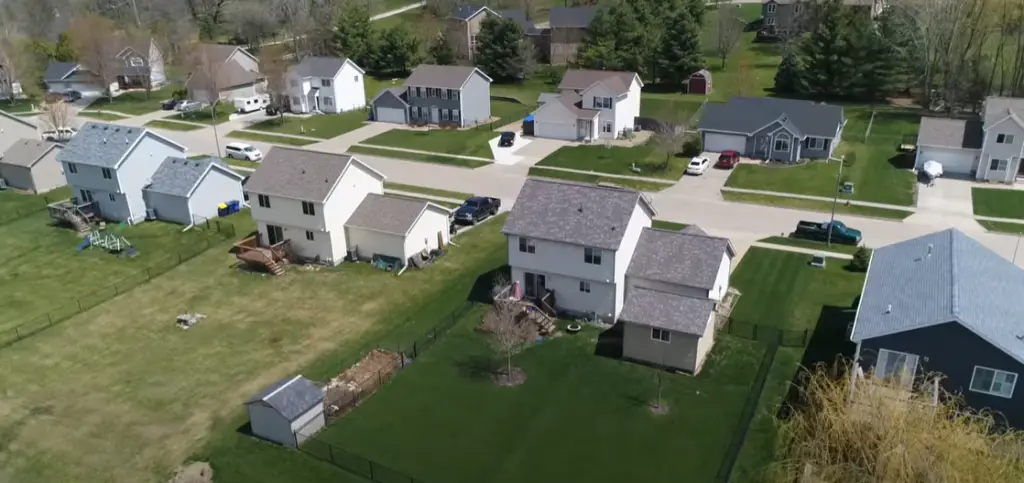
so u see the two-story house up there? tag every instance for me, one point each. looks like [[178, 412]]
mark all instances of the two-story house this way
[[782, 18], [462, 27], [590, 251], [593, 104], [772, 128], [986, 149], [447, 95], [229, 69], [331, 206], [567, 29], [325, 84], [140, 63]]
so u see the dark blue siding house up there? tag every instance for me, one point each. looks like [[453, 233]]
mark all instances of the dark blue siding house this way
[[943, 303]]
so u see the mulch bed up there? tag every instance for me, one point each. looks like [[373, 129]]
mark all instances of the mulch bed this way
[[360, 381], [503, 379]]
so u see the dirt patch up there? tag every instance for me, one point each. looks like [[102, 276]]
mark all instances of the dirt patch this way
[[196, 472], [504, 379], [360, 380], [658, 409]]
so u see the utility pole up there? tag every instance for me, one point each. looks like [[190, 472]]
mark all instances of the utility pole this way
[[835, 199], [135, 8]]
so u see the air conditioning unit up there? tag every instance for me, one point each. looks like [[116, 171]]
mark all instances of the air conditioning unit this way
[[3, 184], [150, 214]]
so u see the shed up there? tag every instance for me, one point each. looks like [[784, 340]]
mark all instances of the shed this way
[[188, 191], [699, 82], [396, 227], [288, 412], [31, 165]]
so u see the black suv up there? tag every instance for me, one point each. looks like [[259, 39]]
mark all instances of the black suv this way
[[507, 139]]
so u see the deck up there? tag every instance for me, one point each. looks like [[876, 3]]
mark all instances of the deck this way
[[74, 212], [272, 257]]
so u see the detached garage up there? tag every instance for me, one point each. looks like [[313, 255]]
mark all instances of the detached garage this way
[[564, 118], [188, 191], [396, 227], [954, 143], [31, 165], [288, 412], [718, 142], [390, 106]]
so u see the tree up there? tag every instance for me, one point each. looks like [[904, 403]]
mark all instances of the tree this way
[[397, 53], [19, 64], [440, 51], [499, 49], [829, 69], [680, 54], [206, 80], [728, 30], [354, 36], [861, 259], [874, 59], [96, 44], [55, 115], [63, 50], [274, 67], [208, 15], [789, 77], [510, 331], [671, 135], [252, 24]]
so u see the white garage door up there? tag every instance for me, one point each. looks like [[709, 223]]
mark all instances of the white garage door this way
[[717, 143], [390, 114], [952, 160], [555, 130]]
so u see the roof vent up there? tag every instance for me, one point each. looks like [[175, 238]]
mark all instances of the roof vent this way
[[117, 129], [104, 140], [930, 249], [126, 140], [580, 209], [1020, 337], [888, 309], [106, 127]]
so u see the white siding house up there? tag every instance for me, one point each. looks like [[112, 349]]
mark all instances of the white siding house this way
[[288, 412], [189, 191], [394, 227], [325, 84], [593, 104], [987, 149]]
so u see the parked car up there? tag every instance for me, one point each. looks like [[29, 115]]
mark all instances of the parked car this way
[[698, 165], [170, 104], [246, 105], [728, 160], [507, 139], [243, 151], [476, 209], [186, 106], [72, 96], [842, 234], [272, 110], [60, 135]]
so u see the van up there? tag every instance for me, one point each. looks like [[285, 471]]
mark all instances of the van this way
[[243, 151], [251, 104]]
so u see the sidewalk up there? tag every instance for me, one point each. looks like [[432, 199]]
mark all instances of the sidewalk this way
[[412, 194], [910, 209], [1000, 220], [809, 251], [279, 134], [608, 175], [428, 153]]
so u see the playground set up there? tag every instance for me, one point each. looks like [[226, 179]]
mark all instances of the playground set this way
[[82, 217]]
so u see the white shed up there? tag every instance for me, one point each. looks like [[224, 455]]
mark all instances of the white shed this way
[[189, 191], [288, 412], [396, 227]]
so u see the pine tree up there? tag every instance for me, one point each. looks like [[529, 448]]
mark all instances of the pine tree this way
[[397, 52], [828, 68], [680, 54], [354, 37], [440, 51], [875, 60], [631, 38], [63, 51], [499, 50], [789, 78], [598, 50]]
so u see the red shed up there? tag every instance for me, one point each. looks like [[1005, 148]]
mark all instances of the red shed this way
[[699, 82]]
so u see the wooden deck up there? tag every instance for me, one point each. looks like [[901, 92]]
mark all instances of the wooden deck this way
[[273, 258], [79, 215]]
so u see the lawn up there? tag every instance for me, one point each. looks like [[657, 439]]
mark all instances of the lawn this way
[[102, 116], [596, 179], [814, 205], [618, 160], [324, 126], [204, 116], [468, 142], [423, 158], [667, 225], [999, 203], [19, 106], [508, 112], [173, 126], [14, 204], [122, 379], [567, 422], [269, 138], [373, 85], [457, 195], [1003, 227], [809, 244], [135, 102]]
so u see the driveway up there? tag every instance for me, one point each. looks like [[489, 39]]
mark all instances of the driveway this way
[[707, 186], [947, 196]]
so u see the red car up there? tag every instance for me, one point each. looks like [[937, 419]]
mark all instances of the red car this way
[[728, 160]]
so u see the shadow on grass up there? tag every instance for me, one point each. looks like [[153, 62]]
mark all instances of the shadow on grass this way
[[609, 342], [483, 287], [478, 367], [902, 161], [829, 345]]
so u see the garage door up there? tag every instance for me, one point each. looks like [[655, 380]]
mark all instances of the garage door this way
[[952, 160], [86, 89], [555, 130], [717, 143], [390, 114]]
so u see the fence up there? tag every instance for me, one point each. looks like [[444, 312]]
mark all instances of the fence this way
[[753, 400], [13, 214], [81, 304], [767, 334]]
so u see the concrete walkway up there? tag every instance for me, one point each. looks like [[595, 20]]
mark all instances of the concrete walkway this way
[[412, 194], [1000, 220], [609, 175], [181, 121], [819, 198], [428, 153], [108, 111], [280, 134], [809, 251]]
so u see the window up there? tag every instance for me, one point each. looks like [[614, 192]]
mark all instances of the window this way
[[769, 20], [526, 245], [328, 101], [453, 94], [771, 8], [137, 62], [602, 102], [444, 93], [86, 196], [1004, 139], [898, 366], [606, 127], [419, 92], [355, 78], [325, 82], [72, 168], [455, 115], [112, 197], [993, 381], [798, 8], [445, 114], [782, 144], [660, 334], [309, 235], [592, 256], [584, 286], [107, 174], [263, 200], [998, 165], [308, 208], [815, 143]]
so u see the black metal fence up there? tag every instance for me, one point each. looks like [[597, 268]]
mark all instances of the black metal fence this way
[[768, 334], [8, 214], [159, 267]]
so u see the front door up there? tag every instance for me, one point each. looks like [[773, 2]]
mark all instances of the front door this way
[[275, 234], [896, 366], [435, 116], [583, 129], [536, 285]]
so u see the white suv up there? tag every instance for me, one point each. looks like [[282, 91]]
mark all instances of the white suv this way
[[243, 151]]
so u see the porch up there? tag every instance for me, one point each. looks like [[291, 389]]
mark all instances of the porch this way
[[78, 214], [273, 257]]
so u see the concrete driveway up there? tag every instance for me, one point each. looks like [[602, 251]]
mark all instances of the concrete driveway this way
[[707, 186], [947, 196]]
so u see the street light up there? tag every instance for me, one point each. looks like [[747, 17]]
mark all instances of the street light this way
[[835, 197]]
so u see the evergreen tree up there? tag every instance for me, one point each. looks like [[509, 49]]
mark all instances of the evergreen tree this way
[[598, 50], [440, 51], [789, 77], [354, 37], [829, 70], [631, 38], [397, 52], [897, 27], [63, 51], [875, 60], [499, 49], [679, 55]]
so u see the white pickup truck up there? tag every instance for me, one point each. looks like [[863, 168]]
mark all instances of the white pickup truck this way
[[59, 135]]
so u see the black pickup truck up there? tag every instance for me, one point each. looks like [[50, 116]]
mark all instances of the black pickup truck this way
[[842, 234], [476, 209]]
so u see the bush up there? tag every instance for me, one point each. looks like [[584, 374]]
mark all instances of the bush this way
[[861, 259], [692, 147]]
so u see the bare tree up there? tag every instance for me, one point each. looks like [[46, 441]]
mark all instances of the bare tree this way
[[94, 39], [55, 115], [18, 65], [208, 15], [274, 66], [252, 23], [323, 16], [672, 134], [728, 31], [295, 22], [510, 331], [206, 81]]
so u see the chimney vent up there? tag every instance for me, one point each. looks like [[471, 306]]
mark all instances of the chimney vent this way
[[888, 309]]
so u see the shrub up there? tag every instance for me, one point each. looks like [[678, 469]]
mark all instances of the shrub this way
[[861, 259]]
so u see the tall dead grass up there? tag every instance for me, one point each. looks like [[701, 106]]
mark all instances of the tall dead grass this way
[[874, 431]]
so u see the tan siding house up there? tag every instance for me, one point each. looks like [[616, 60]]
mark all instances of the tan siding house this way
[[31, 165]]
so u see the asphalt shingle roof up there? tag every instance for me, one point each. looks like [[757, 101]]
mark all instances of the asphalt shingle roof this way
[[442, 76], [996, 108], [26, 152], [593, 216], [679, 258], [571, 17], [519, 16], [290, 397], [749, 114], [688, 315], [298, 174], [579, 79], [961, 281], [386, 214], [178, 176], [466, 11], [57, 70], [100, 144], [950, 133], [325, 67]]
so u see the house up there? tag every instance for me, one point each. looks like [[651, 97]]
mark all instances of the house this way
[[447, 95], [462, 27], [232, 70], [590, 251], [13, 128], [61, 77], [288, 412], [943, 303], [140, 63], [31, 165], [109, 165], [189, 191], [772, 128], [986, 149], [9, 85], [699, 83], [791, 17], [325, 84], [593, 104], [330, 206], [567, 30]]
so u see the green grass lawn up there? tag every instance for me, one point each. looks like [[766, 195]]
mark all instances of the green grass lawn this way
[[998, 203], [458, 195], [509, 112], [595, 179], [1003, 227], [135, 102], [667, 225], [14, 204], [239, 162], [324, 126], [19, 106], [423, 158], [810, 244], [203, 116], [469, 142], [269, 138], [173, 126], [567, 422], [102, 115], [618, 160], [814, 205]]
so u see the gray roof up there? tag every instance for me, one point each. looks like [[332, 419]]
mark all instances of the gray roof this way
[[950, 133], [996, 108], [290, 397], [100, 144], [679, 258], [26, 152], [519, 16], [442, 76], [693, 230], [178, 176], [747, 115], [387, 214], [678, 313], [326, 67], [298, 174], [574, 103], [466, 11], [399, 93], [961, 281], [217, 52], [571, 17], [546, 97], [58, 70], [593, 216], [579, 79]]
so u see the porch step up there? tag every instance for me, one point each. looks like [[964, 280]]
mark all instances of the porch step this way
[[274, 267]]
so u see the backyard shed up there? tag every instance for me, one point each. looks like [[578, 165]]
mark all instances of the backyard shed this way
[[188, 191], [288, 412], [31, 165], [396, 227], [699, 82]]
